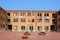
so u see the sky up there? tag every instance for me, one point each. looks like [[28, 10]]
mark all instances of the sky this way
[[30, 4]]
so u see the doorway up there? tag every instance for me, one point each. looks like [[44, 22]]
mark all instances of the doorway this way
[[52, 27], [31, 28], [9, 27]]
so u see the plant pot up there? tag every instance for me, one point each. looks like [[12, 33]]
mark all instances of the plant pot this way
[[24, 37], [26, 33]]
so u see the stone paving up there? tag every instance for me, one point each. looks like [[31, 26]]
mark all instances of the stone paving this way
[[7, 35]]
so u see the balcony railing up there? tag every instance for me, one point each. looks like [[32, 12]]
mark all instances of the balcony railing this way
[[8, 17], [53, 17], [46, 17], [8, 23]]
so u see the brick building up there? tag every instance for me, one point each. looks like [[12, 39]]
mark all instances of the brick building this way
[[58, 21], [31, 20], [2, 19]]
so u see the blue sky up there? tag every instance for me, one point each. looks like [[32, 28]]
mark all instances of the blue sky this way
[[27, 4]]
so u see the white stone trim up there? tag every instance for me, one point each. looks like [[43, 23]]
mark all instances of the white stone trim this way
[[19, 30], [12, 30]]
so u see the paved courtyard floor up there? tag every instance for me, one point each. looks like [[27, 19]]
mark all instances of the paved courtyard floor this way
[[7, 35]]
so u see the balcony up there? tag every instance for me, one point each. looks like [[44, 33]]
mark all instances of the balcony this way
[[8, 23], [8, 17], [46, 17], [53, 22], [53, 16]]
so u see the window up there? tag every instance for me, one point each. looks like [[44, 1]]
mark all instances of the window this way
[[8, 20], [8, 14], [32, 14], [53, 21], [39, 20], [23, 20], [46, 14], [59, 13], [31, 27], [22, 14], [29, 14], [46, 28], [39, 14], [46, 20], [15, 28], [32, 20], [39, 28], [15, 20], [53, 15], [22, 27], [15, 14]]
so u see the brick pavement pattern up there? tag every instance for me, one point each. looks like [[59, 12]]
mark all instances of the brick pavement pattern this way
[[7, 35]]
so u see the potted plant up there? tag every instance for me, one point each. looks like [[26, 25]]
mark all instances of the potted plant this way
[[42, 33], [26, 33], [24, 37]]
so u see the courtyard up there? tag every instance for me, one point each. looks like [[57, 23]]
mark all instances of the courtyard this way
[[7, 35]]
